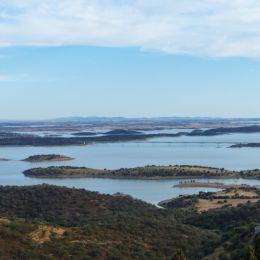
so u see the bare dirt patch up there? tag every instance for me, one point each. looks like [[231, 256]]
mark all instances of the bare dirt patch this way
[[205, 205], [4, 221], [44, 233]]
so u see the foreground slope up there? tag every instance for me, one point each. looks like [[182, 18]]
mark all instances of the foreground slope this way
[[92, 226], [49, 222]]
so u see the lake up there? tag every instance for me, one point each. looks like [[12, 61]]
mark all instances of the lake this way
[[204, 151]]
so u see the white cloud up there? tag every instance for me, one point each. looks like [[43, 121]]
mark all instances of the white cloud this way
[[216, 28], [15, 77], [4, 77]]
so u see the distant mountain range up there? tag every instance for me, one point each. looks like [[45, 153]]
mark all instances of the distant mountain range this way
[[120, 119]]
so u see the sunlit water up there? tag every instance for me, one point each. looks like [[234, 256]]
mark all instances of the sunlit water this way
[[204, 151]]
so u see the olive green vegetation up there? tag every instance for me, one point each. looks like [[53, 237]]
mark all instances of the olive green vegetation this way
[[235, 225], [147, 172], [97, 227], [235, 192], [47, 158], [152, 171], [119, 227]]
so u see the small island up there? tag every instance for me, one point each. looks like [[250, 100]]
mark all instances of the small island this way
[[244, 145], [123, 132], [84, 134], [4, 159], [48, 158]]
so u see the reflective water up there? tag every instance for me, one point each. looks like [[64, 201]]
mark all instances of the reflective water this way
[[206, 151]]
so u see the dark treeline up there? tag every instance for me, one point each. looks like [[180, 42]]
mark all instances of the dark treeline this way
[[33, 140], [226, 130], [252, 145]]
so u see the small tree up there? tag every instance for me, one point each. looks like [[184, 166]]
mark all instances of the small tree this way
[[179, 255], [257, 246], [250, 254]]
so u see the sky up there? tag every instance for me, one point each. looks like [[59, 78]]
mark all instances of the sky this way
[[130, 58]]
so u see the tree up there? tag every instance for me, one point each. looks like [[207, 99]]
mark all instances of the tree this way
[[257, 246], [179, 255], [250, 254]]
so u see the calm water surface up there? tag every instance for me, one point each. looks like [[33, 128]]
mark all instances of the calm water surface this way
[[205, 151]]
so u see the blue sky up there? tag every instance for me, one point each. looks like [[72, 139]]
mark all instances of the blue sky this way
[[129, 58]]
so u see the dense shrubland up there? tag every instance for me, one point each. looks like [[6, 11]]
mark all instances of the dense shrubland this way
[[119, 227]]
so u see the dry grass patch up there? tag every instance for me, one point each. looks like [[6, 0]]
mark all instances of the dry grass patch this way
[[4, 221], [44, 233], [204, 205], [238, 192]]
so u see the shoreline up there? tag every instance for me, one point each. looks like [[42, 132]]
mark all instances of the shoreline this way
[[217, 185]]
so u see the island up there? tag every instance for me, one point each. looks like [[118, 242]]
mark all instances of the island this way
[[123, 132], [242, 145], [152, 172], [84, 134], [47, 158], [146, 172], [4, 159]]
